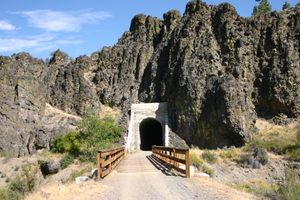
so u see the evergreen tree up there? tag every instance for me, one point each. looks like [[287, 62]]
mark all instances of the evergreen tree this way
[[263, 7], [286, 5]]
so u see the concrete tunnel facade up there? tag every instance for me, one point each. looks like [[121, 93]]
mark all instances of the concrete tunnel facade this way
[[148, 126]]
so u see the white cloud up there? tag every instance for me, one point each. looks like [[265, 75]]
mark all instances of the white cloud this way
[[4, 25], [55, 21], [37, 43]]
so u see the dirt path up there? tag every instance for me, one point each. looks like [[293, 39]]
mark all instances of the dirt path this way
[[137, 178]]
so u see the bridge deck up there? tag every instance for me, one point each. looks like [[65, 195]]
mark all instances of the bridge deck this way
[[137, 163], [138, 178]]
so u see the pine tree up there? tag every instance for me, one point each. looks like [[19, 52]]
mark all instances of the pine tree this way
[[286, 5], [263, 7]]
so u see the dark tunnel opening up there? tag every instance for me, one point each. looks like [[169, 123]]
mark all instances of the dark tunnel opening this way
[[151, 133]]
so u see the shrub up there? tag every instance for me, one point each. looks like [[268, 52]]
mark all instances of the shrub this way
[[67, 143], [273, 144], [293, 151], [24, 183], [66, 160], [93, 134], [230, 153], [207, 169], [255, 157], [196, 160], [80, 172], [209, 157], [98, 133], [290, 190], [261, 188], [18, 186], [3, 193], [261, 155], [7, 194]]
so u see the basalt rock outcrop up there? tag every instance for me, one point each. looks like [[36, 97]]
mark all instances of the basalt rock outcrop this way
[[217, 71]]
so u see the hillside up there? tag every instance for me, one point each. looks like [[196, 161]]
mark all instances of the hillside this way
[[217, 71]]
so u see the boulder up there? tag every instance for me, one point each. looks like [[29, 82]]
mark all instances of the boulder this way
[[81, 179], [50, 167], [94, 173]]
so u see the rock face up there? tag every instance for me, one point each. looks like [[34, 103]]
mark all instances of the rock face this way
[[27, 123], [217, 71]]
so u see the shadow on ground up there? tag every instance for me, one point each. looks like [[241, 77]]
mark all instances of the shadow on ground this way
[[167, 170]]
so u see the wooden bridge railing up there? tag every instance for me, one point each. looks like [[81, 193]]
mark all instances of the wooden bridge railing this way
[[174, 158], [108, 159]]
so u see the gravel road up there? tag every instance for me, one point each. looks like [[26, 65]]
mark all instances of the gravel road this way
[[137, 178]]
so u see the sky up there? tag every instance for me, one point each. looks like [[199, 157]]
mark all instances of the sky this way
[[81, 27]]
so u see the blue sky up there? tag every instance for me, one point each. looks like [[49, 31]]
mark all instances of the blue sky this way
[[80, 27]]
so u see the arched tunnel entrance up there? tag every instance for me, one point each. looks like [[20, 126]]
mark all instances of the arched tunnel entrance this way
[[151, 133]]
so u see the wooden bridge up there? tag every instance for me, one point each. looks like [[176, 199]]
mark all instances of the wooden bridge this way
[[167, 159], [158, 174]]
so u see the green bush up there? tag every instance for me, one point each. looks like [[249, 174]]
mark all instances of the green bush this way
[[255, 156], [290, 190], [22, 184], [260, 188], [206, 169], [209, 157], [230, 153], [277, 145], [3, 193], [26, 181], [93, 134], [67, 143], [18, 186], [66, 160], [263, 7], [7, 194], [196, 160], [293, 151]]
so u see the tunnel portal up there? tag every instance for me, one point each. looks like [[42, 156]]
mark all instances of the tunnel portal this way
[[148, 126], [151, 133]]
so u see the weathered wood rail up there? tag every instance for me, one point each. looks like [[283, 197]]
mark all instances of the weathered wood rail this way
[[173, 158], [108, 159]]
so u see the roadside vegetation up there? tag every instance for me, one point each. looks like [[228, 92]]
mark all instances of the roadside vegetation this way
[[93, 134], [271, 142], [202, 160], [26, 181], [79, 146]]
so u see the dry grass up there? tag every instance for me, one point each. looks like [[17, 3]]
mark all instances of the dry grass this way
[[284, 134], [259, 187], [229, 192], [68, 191], [107, 111], [48, 155], [283, 140], [50, 110], [220, 155]]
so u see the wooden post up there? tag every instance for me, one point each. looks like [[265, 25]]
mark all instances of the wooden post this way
[[174, 158], [109, 158], [99, 166], [187, 163]]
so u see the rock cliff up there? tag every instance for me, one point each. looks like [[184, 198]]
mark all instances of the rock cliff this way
[[218, 72]]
